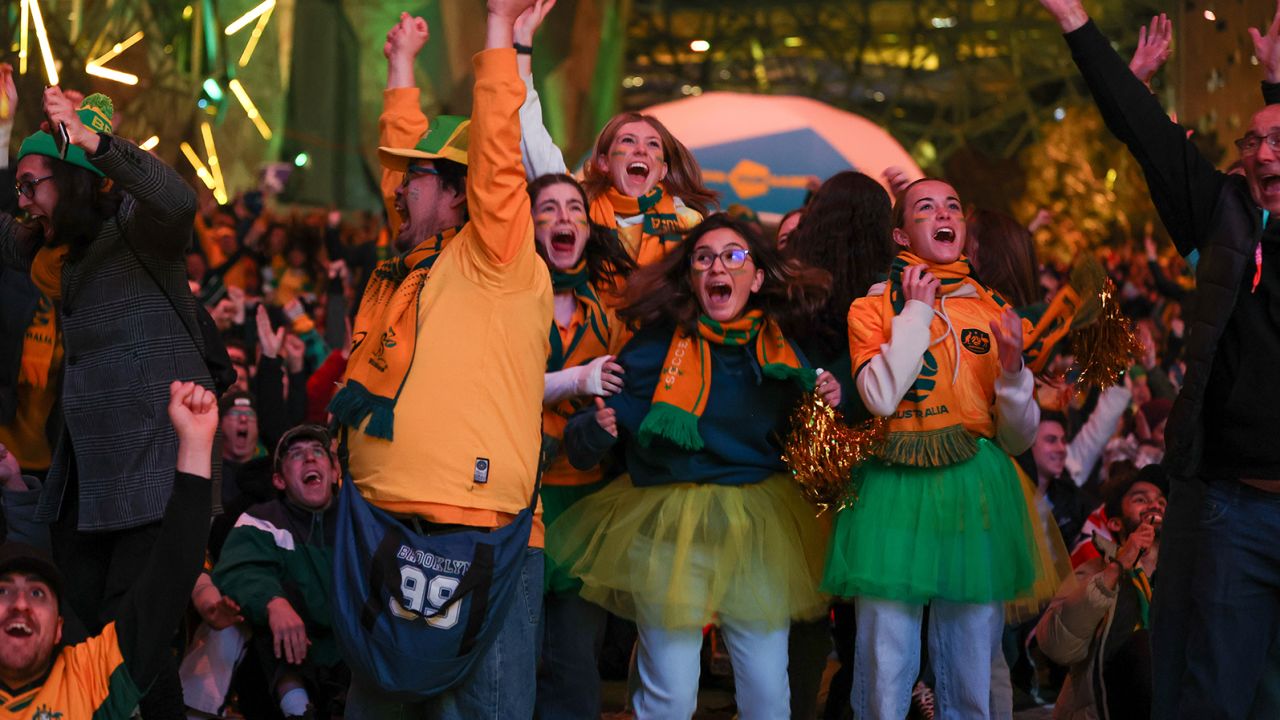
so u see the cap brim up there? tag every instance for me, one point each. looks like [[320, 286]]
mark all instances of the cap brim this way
[[398, 159]]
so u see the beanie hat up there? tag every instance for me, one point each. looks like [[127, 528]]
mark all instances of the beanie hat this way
[[95, 112]]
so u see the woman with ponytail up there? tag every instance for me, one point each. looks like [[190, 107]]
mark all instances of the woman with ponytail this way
[[939, 518], [707, 526]]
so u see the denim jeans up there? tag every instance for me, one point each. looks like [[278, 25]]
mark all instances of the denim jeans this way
[[962, 638], [667, 662], [502, 685], [1231, 576], [569, 675]]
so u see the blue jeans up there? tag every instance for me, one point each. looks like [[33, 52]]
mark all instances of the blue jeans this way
[[962, 638], [569, 677], [668, 663], [1217, 596], [502, 684]]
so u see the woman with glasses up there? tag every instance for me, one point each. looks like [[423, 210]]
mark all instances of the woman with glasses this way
[[707, 526], [103, 234]]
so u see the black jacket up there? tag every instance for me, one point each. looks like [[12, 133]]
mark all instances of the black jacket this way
[[1233, 394]]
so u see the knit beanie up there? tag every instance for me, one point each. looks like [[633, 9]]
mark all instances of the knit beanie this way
[[95, 112]]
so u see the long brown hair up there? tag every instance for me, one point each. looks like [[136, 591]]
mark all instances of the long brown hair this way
[[605, 257], [663, 293], [85, 203], [684, 175], [1006, 257], [847, 229]]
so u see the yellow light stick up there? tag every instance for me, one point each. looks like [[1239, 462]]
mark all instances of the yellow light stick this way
[[94, 66], [201, 171], [243, 21], [250, 109], [255, 36], [42, 36], [219, 186], [22, 38], [151, 143]]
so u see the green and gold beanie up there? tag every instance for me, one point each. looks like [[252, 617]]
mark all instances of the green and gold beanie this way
[[95, 112]]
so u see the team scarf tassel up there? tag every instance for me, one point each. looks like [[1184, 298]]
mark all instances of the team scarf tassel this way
[[384, 339], [681, 395]]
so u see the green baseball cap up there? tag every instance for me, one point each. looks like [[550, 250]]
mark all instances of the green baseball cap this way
[[95, 112], [446, 139]]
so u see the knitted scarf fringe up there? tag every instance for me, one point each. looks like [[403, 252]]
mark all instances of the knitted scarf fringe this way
[[353, 403], [934, 448], [679, 427]]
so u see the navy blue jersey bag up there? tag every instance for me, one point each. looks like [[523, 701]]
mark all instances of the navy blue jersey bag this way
[[414, 612]]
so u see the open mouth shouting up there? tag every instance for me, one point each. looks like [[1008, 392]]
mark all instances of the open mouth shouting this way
[[563, 241], [19, 628], [312, 478], [945, 235], [1269, 184], [719, 293]]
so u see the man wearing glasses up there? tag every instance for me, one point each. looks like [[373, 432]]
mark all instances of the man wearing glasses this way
[[442, 399], [103, 237], [1217, 599], [277, 565]]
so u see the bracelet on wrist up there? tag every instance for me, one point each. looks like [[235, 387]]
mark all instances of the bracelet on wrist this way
[[522, 49]]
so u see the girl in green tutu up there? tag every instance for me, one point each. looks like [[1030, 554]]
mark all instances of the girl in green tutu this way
[[707, 525], [939, 519]]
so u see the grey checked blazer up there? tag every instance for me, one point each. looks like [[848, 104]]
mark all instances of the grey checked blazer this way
[[123, 346]]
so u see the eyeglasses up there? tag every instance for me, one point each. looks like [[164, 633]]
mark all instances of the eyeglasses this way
[[27, 188], [732, 258], [298, 453], [1250, 144]]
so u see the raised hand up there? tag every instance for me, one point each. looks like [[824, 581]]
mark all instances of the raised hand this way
[[193, 411], [269, 340], [1008, 334], [1267, 47], [530, 20], [1070, 14], [60, 110], [295, 353], [8, 96], [508, 10], [405, 39], [919, 284], [1153, 48], [898, 180]]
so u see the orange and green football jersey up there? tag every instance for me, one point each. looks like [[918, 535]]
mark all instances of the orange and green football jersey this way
[[88, 681]]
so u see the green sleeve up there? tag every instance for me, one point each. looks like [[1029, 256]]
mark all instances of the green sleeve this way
[[249, 570]]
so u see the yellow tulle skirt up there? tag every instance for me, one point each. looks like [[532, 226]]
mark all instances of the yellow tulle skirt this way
[[1051, 555], [682, 556]]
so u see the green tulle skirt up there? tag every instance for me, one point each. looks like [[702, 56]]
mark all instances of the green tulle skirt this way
[[960, 533], [681, 556], [556, 499]]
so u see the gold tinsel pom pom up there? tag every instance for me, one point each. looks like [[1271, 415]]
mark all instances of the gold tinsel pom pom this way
[[1106, 348], [821, 450]]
